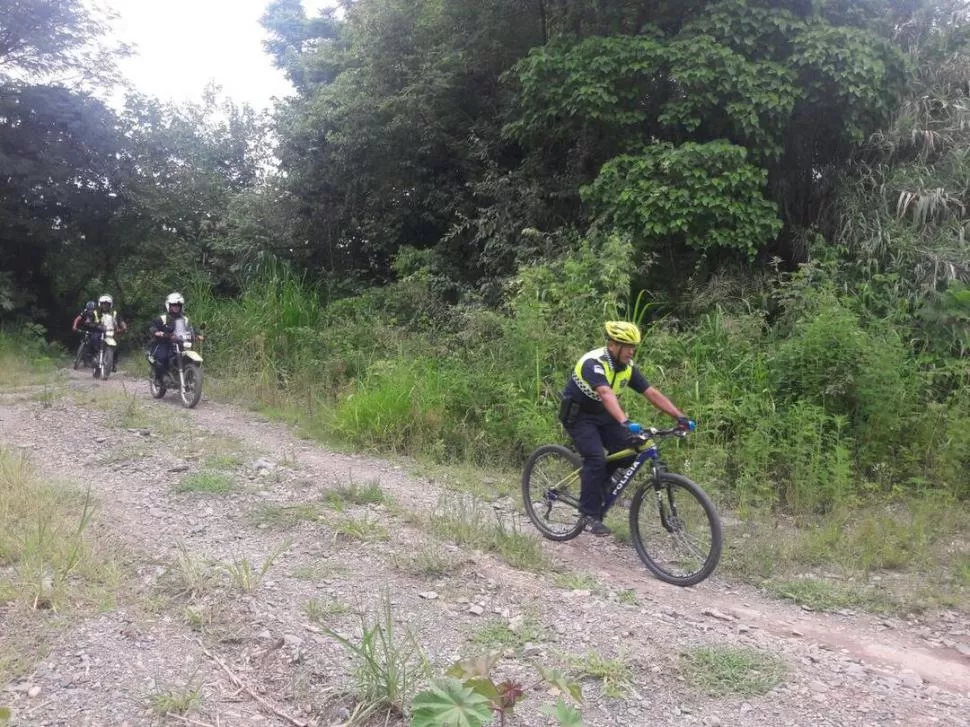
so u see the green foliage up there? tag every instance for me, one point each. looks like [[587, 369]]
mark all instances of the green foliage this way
[[822, 596], [850, 72], [721, 670], [387, 666], [207, 481], [602, 79], [613, 674], [723, 93], [469, 696], [703, 195], [57, 39], [448, 701], [50, 560]]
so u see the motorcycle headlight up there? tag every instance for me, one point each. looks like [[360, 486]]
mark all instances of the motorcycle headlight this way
[[186, 344]]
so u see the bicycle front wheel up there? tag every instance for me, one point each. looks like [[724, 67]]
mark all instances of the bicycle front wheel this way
[[676, 530], [550, 491]]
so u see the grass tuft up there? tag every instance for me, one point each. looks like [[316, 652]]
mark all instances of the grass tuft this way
[[465, 521], [208, 482], [722, 670], [47, 559], [369, 493], [614, 675], [820, 595], [577, 582], [179, 700], [429, 561], [284, 516], [188, 576], [364, 529], [321, 611], [388, 666], [502, 634], [245, 576]]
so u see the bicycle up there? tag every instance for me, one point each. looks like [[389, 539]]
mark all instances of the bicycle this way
[[83, 356], [684, 513]]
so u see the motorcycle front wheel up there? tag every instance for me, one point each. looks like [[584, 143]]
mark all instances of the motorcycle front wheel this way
[[191, 391], [107, 362], [157, 389]]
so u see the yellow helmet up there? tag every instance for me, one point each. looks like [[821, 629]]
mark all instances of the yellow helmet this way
[[623, 332]]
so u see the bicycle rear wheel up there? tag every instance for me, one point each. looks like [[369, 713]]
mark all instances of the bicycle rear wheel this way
[[676, 530], [550, 491]]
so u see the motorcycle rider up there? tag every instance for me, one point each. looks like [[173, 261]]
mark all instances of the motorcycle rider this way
[[164, 328], [86, 320], [106, 307]]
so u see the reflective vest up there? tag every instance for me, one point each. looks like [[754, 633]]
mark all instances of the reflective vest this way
[[165, 319], [114, 313], [618, 380]]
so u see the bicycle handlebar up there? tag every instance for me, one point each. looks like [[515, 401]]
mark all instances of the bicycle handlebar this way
[[654, 433]]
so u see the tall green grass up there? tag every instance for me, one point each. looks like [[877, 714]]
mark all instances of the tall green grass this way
[[25, 357], [806, 404]]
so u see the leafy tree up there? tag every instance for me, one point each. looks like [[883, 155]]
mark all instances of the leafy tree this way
[[398, 108], [793, 88], [58, 151], [63, 39], [699, 196]]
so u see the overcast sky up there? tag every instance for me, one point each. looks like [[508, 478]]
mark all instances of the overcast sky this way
[[183, 44]]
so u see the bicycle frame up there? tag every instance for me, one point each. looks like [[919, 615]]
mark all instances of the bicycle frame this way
[[646, 450]]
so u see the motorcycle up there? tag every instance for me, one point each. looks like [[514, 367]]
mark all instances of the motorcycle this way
[[105, 358], [184, 371]]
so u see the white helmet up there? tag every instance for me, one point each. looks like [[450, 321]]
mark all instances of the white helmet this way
[[106, 299], [174, 299]]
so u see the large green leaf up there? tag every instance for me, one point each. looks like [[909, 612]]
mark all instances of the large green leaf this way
[[477, 666], [559, 680], [449, 703], [565, 714]]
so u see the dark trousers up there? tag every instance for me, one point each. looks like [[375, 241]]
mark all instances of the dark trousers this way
[[162, 353], [94, 343], [592, 434]]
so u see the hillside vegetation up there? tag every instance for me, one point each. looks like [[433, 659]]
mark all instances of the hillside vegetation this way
[[410, 254]]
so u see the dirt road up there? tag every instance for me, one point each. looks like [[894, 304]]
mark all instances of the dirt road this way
[[197, 502]]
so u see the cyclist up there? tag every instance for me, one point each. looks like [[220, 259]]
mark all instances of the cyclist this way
[[86, 322], [592, 415]]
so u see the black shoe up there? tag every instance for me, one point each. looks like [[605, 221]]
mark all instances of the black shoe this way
[[596, 527]]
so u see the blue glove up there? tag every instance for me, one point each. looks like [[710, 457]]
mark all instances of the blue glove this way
[[686, 425], [633, 427]]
